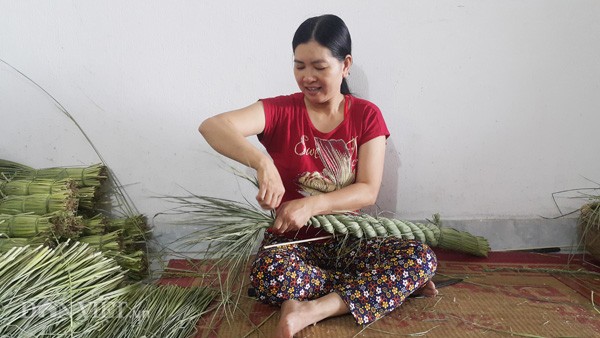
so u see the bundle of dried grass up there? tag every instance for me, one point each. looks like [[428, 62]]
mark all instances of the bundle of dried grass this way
[[90, 176], [134, 228], [37, 186], [7, 244], [56, 225], [134, 233], [136, 263], [39, 204], [50, 199], [10, 168], [88, 196], [89, 199], [104, 242], [95, 225]]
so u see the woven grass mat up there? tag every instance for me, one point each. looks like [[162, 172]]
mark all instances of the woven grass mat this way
[[527, 297]]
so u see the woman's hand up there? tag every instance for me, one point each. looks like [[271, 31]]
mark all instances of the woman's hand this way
[[293, 215], [270, 186]]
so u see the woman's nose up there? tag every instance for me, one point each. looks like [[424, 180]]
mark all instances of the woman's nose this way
[[309, 76]]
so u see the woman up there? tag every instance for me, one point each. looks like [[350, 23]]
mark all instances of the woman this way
[[326, 152]]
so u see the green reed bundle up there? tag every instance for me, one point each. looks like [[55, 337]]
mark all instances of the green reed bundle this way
[[55, 225], [90, 176], [40, 204], [123, 242], [95, 225], [89, 197], [26, 226], [135, 227], [37, 186], [9, 168], [135, 263], [7, 244], [105, 242]]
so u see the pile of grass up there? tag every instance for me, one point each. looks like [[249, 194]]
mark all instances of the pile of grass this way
[[52, 205], [75, 291]]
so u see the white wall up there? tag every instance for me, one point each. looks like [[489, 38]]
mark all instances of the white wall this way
[[492, 105]]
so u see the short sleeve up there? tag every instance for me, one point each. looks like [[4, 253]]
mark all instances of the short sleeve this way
[[275, 108], [373, 124]]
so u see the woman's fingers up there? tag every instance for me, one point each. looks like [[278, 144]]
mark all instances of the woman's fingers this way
[[291, 216], [269, 200], [270, 187], [269, 197], [278, 225]]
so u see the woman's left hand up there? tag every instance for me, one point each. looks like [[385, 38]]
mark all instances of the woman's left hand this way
[[293, 215]]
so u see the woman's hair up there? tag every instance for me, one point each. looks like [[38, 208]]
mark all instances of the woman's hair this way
[[329, 31]]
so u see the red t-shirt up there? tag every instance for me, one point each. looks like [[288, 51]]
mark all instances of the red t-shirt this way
[[312, 162]]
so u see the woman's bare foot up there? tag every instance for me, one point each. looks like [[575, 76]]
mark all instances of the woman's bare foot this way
[[428, 290], [293, 318], [296, 315]]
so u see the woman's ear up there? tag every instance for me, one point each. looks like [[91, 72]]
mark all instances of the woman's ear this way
[[347, 64]]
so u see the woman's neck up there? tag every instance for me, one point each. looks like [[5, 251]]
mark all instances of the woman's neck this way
[[327, 116], [331, 107]]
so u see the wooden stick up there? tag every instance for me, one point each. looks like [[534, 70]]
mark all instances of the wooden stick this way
[[296, 242]]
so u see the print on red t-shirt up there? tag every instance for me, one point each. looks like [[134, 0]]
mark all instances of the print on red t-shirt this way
[[310, 161]]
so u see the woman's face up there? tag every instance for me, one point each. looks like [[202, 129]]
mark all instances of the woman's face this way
[[318, 74]]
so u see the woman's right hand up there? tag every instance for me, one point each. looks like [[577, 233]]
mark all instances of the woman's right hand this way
[[227, 133], [270, 186]]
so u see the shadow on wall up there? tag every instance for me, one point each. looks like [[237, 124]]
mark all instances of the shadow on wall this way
[[388, 193], [358, 83]]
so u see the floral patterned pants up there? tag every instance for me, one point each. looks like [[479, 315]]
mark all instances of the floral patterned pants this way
[[372, 276]]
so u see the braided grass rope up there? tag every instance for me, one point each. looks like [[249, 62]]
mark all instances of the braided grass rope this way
[[363, 225], [227, 233], [226, 226]]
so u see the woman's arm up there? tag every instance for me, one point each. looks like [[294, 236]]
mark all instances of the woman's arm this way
[[226, 133], [294, 214]]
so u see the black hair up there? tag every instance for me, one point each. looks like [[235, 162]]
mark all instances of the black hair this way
[[329, 31]]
